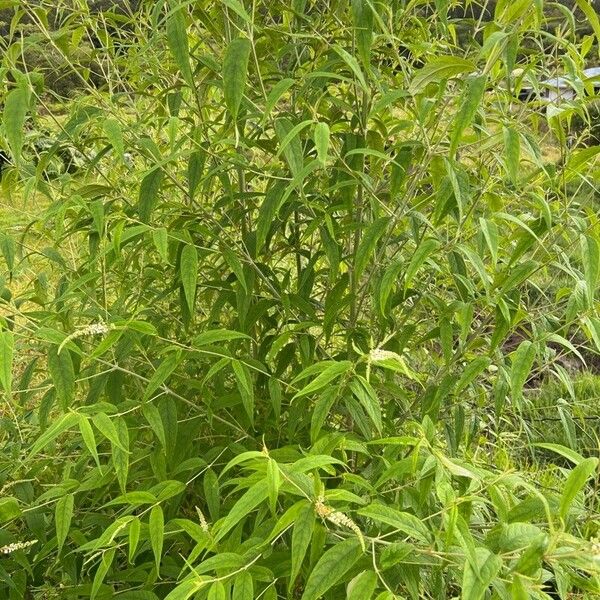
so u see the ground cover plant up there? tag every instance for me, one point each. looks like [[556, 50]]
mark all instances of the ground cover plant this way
[[298, 301]]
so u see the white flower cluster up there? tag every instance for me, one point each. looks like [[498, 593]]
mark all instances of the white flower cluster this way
[[10, 548], [99, 328], [338, 518], [377, 354], [203, 522]]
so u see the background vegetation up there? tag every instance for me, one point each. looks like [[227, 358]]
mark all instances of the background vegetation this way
[[298, 301]]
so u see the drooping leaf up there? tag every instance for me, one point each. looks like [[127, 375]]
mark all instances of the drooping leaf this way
[[16, 105], [235, 73], [62, 373], [63, 514], [188, 268], [178, 42], [469, 103], [301, 536], [148, 195], [575, 482], [321, 137], [333, 565], [7, 345], [362, 586], [156, 527], [367, 245], [521, 363], [256, 494]]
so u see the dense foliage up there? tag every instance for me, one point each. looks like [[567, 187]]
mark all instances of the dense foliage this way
[[296, 303]]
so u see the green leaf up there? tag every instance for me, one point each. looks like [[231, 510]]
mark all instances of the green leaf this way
[[424, 250], [235, 73], [267, 213], [156, 527], [471, 371], [362, 15], [321, 137], [568, 453], [245, 386], [112, 129], [89, 439], [235, 265], [280, 88], [521, 363], [16, 105], [9, 509], [160, 237], [133, 538], [331, 567], [186, 589], [108, 429], [243, 587], [512, 149], [402, 521], [575, 482], [65, 422], [7, 347], [333, 371], [273, 483], [590, 254], [368, 244], [177, 41], [217, 592], [301, 536], [148, 195], [478, 575], [469, 103], [353, 65], [241, 509], [362, 586], [445, 67], [290, 144], [217, 335], [152, 416], [101, 571], [63, 513], [188, 269], [62, 373], [367, 397], [162, 373]]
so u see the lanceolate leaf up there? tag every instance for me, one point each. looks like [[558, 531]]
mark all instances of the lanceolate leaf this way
[[321, 136], [337, 561], [156, 527], [235, 73], [478, 575], [178, 42], [63, 514], [425, 249], [6, 360], [162, 373], [15, 111], [188, 267], [301, 536], [521, 363], [439, 69], [243, 587], [469, 103], [327, 376], [62, 373], [575, 482], [242, 508], [366, 249], [149, 193]]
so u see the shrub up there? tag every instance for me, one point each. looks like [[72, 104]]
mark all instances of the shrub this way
[[277, 339]]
